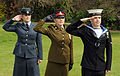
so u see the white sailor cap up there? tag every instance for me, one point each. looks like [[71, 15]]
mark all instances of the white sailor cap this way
[[93, 12]]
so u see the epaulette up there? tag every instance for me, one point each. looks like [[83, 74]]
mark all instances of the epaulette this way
[[107, 33]]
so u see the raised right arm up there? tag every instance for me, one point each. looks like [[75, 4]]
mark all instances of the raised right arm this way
[[39, 27], [9, 27], [73, 28]]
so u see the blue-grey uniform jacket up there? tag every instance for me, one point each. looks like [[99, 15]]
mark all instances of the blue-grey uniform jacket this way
[[29, 42]]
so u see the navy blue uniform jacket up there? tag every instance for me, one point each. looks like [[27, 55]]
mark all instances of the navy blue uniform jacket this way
[[29, 42], [94, 47]]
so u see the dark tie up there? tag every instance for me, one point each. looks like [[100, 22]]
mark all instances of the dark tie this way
[[27, 26]]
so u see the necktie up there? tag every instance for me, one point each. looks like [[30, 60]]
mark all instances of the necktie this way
[[27, 26]]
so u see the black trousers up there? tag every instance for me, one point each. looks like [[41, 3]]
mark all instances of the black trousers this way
[[89, 72]]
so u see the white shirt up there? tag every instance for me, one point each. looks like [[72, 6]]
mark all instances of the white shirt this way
[[28, 23], [98, 32]]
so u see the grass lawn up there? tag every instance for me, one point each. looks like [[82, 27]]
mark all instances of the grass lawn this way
[[8, 40]]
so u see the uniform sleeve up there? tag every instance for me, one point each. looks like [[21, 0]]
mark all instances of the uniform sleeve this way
[[39, 46], [71, 51], [40, 29], [73, 28], [9, 27], [108, 52]]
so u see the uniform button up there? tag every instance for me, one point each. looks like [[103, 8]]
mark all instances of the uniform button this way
[[25, 44], [26, 35], [63, 38], [26, 39], [62, 48], [62, 42]]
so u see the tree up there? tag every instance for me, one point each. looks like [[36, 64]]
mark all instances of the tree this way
[[2, 10], [10, 7], [75, 9]]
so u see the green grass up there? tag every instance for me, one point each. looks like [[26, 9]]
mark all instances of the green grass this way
[[7, 43]]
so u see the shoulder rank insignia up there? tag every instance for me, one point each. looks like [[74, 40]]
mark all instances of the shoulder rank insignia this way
[[107, 33]]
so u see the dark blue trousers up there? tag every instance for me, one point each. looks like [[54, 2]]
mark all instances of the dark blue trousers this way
[[89, 72]]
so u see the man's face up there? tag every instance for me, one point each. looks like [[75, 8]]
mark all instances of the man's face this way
[[96, 20], [26, 18], [59, 21]]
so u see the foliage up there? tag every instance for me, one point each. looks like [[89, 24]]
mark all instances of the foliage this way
[[75, 9], [2, 11]]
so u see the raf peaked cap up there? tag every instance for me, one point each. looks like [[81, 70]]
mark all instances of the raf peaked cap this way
[[94, 12], [26, 11]]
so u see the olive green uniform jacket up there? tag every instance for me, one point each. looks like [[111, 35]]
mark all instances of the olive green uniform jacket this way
[[61, 50]]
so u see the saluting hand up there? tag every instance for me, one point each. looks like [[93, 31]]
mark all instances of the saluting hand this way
[[49, 17], [85, 19], [17, 18]]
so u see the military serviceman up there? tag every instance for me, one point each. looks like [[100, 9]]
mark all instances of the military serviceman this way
[[26, 55], [60, 59], [96, 38]]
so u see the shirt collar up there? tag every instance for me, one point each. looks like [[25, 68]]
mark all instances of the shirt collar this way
[[27, 23]]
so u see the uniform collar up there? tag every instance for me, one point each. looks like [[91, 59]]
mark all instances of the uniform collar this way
[[60, 28], [102, 27], [104, 30]]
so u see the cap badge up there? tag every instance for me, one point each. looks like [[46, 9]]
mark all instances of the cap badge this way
[[27, 12], [60, 13]]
